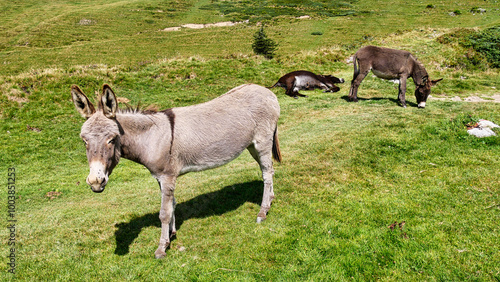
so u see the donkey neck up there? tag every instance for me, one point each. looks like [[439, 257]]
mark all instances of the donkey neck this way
[[418, 73], [143, 135]]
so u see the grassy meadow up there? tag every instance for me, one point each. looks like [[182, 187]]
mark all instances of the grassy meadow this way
[[366, 191]]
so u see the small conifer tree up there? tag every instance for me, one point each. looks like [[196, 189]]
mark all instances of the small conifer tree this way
[[262, 45]]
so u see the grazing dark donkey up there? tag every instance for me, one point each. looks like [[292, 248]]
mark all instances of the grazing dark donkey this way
[[305, 80], [180, 140], [391, 64]]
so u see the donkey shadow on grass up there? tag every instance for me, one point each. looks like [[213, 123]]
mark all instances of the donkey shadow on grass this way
[[213, 203], [396, 101]]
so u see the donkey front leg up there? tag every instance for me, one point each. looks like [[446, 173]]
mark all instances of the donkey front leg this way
[[167, 218]]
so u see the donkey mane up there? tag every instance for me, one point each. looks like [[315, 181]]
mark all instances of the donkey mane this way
[[151, 110], [419, 73], [139, 109]]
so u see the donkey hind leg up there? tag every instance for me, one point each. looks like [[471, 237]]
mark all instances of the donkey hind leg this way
[[291, 93], [402, 91], [353, 92], [173, 230], [263, 155], [167, 186], [296, 91], [360, 72]]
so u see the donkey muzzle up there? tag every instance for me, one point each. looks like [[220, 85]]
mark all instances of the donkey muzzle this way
[[97, 188], [98, 178], [421, 105]]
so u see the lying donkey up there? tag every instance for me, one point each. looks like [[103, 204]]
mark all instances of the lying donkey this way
[[391, 64], [305, 80], [176, 141]]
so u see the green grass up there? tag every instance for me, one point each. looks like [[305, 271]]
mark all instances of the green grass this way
[[349, 170], [268, 10]]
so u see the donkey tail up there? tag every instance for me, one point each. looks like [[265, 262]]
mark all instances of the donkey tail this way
[[276, 146], [356, 69], [276, 84]]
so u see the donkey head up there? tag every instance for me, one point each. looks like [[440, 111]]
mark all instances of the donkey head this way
[[423, 89], [101, 134]]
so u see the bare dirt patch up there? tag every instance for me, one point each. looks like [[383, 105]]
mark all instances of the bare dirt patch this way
[[219, 24], [17, 96], [200, 26]]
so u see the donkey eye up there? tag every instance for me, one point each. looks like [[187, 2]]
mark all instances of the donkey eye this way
[[112, 141], [85, 142]]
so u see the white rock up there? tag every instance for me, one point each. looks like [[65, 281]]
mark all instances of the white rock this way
[[481, 132], [483, 129], [487, 124]]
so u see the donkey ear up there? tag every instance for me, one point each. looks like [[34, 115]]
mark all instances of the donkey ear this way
[[108, 102], [434, 82], [82, 103]]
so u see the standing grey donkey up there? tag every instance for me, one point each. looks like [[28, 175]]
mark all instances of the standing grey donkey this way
[[176, 141]]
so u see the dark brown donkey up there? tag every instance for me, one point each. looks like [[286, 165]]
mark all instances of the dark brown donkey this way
[[391, 64], [176, 141], [305, 80]]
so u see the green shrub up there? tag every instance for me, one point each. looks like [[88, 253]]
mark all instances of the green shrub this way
[[262, 45], [487, 43], [478, 48]]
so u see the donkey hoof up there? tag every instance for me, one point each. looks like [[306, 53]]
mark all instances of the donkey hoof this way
[[160, 254], [261, 216]]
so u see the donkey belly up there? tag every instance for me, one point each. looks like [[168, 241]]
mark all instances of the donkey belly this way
[[216, 151], [385, 75], [208, 164], [307, 83]]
